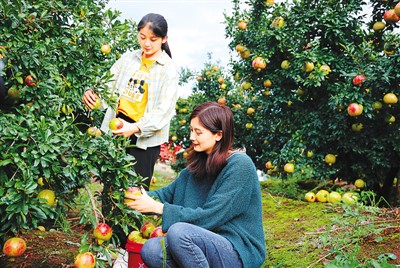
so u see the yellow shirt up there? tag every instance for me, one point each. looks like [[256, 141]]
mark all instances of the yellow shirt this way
[[133, 100]]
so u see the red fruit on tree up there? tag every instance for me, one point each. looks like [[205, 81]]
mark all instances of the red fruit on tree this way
[[222, 100], [390, 16], [355, 109], [102, 232], [358, 80], [242, 25], [30, 81], [397, 9], [14, 247], [85, 260], [259, 63], [94, 132]]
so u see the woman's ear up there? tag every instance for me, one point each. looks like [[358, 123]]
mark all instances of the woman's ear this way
[[218, 136], [165, 39]]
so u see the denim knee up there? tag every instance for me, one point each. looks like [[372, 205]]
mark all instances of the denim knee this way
[[151, 252]]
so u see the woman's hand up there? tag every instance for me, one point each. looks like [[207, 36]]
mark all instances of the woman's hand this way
[[127, 130], [144, 203], [89, 99]]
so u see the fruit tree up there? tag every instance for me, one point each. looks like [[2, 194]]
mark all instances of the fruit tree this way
[[321, 57], [313, 84], [51, 52]]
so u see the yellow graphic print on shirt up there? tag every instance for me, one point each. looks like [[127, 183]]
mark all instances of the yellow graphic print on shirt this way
[[133, 100]]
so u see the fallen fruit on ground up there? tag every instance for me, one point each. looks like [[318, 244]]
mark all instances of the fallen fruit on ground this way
[[14, 247], [349, 198], [322, 196], [310, 197], [334, 197]]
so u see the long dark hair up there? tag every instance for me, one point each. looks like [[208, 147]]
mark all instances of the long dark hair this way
[[215, 118], [158, 25]]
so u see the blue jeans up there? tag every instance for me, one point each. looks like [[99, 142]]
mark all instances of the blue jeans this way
[[187, 245]]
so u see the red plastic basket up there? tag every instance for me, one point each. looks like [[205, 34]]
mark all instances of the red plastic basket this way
[[134, 258]]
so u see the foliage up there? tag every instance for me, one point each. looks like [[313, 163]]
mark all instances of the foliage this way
[[43, 125], [300, 114]]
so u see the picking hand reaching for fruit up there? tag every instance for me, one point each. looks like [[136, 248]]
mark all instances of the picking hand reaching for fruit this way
[[144, 203], [91, 100]]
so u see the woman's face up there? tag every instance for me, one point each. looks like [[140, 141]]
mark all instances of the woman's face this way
[[150, 43], [202, 139]]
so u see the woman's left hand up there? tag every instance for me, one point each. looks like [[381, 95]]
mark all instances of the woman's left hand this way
[[144, 203], [127, 129]]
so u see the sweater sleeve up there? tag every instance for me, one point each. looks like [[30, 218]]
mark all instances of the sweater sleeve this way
[[228, 197]]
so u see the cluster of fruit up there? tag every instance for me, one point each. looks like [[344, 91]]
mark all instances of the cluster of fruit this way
[[324, 196], [152, 224], [148, 230]]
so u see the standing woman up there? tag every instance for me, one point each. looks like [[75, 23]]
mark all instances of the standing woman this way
[[212, 211], [146, 81]]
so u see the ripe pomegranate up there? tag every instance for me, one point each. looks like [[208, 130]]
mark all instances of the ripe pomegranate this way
[[14, 247], [85, 260], [94, 132], [390, 16], [278, 22], [157, 232], [259, 63], [355, 109], [390, 98], [289, 168], [105, 49], [267, 83], [325, 69], [49, 196], [146, 229], [222, 100], [102, 232], [330, 159], [242, 25], [240, 48], [269, 165], [308, 66], [250, 111], [397, 9], [30, 81], [358, 80], [115, 124]]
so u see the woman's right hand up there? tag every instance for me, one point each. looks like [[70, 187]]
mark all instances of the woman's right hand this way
[[89, 99]]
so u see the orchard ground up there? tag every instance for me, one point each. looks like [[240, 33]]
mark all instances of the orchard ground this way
[[298, 234]]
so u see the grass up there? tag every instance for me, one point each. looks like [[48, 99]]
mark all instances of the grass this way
[[302, 234]]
